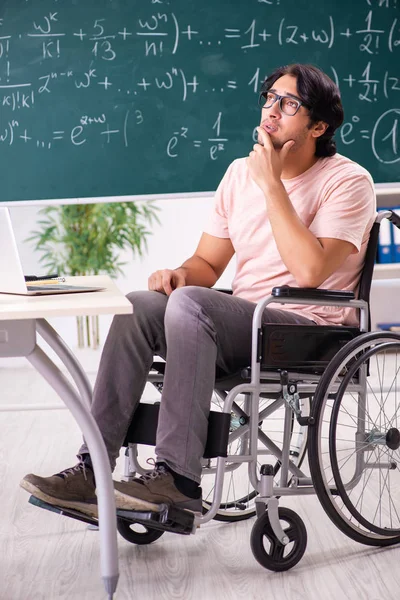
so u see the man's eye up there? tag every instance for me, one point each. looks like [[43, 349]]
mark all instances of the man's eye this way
[[292, 103]]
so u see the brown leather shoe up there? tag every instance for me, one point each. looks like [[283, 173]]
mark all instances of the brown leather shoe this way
[[73, 488], [148, 492]]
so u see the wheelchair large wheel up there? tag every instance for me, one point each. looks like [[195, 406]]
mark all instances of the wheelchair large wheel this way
[[238, 497], [354, 446]]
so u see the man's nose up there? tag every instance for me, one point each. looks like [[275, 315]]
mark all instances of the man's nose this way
[[274, 110]]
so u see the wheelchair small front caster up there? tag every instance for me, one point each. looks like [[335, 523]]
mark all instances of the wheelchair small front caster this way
[[269, 551], [137, 534]]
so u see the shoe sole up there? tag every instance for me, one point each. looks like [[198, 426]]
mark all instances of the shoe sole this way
[[127, 502], [83, 507]]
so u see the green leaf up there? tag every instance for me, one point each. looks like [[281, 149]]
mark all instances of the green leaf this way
[[87, 239]]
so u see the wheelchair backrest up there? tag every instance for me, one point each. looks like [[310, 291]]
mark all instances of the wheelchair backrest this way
[[368, 269], [370, 256]]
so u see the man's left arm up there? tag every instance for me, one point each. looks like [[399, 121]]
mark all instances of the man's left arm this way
[[310, 259]]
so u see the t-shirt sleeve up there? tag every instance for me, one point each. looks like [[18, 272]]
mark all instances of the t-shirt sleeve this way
[[217, 224], [347, 210]]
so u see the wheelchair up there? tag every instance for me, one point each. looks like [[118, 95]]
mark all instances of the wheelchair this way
[[329, 392]]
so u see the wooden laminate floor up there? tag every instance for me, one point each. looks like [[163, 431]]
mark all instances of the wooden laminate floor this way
[[47, 557]]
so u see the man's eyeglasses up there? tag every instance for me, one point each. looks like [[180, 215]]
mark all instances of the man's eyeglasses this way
[[287, 105]]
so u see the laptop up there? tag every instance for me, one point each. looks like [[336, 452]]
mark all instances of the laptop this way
[[12, 280]]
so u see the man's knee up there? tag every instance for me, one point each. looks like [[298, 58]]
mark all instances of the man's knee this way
[[148, 307], [186, 301], [143, 298], [148, 304], [183, 297]]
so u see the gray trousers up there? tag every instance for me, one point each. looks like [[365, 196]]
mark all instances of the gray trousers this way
[[195, 329]]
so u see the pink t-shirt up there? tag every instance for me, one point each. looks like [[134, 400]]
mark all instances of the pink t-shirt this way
[[335, 198]]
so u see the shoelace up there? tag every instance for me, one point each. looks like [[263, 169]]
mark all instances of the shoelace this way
[[158, 471], [73, 471]]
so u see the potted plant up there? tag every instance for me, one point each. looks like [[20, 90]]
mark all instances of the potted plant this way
[[86, 239]]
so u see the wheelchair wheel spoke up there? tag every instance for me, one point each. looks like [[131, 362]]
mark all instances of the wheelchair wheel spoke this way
[[290, 532], [365, 483], [343, 424], [391, 388], [361, 496], [341, 450], [379, 502], [277, 550]]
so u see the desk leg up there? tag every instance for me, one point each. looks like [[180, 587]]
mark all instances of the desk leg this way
[[101, 464], [57, 344]]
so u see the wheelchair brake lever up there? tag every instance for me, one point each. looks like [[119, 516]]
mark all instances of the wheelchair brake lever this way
[[291, 396], [305, 421]]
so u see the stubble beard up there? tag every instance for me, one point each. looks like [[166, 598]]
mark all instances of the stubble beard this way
[[299, 141]]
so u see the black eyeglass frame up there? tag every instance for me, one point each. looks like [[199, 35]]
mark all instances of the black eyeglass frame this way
[[279, 98]]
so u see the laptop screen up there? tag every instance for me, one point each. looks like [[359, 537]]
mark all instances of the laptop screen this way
[[11, 273]]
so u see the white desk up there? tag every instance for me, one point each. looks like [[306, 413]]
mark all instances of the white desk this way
[[388, 271], [21, 318]]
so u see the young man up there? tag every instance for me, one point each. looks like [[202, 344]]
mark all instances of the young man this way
[[295, 213]]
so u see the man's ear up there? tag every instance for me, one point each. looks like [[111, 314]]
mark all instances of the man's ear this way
[[319, 128]]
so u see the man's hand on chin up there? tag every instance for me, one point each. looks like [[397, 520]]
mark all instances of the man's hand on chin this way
[[264, 162]]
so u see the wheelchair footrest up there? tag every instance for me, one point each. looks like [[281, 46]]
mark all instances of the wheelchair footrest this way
[[168, 518], [67, 512]]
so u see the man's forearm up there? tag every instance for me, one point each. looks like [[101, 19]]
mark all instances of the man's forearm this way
[[300, 250], [198, 272]]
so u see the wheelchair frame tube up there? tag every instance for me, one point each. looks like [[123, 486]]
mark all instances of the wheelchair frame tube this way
[[286, 445]]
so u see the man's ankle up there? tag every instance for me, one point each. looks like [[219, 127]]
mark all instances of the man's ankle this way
[[185, 485], [86, 460], [87, 463]]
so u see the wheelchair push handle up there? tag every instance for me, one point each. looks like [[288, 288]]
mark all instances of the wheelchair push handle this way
[[395, 219]]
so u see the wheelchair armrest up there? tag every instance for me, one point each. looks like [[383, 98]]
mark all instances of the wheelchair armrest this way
[[286, 291]]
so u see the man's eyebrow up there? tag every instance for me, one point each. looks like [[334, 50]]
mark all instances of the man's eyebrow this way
[[286, 94]]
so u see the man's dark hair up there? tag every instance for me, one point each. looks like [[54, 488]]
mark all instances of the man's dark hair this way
[[320, 96]]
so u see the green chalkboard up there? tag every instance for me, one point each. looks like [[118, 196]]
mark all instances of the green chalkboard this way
[[103, 98]]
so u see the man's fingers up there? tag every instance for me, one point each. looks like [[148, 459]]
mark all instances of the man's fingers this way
[[155, 282], [166, 282], [263, 137]]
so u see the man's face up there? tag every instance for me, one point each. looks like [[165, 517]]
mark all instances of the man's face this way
[[281, 127]]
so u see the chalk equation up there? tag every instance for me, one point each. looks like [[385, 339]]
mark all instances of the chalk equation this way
[[383, 135], [87, 128], [163, 32], [214, 144]]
